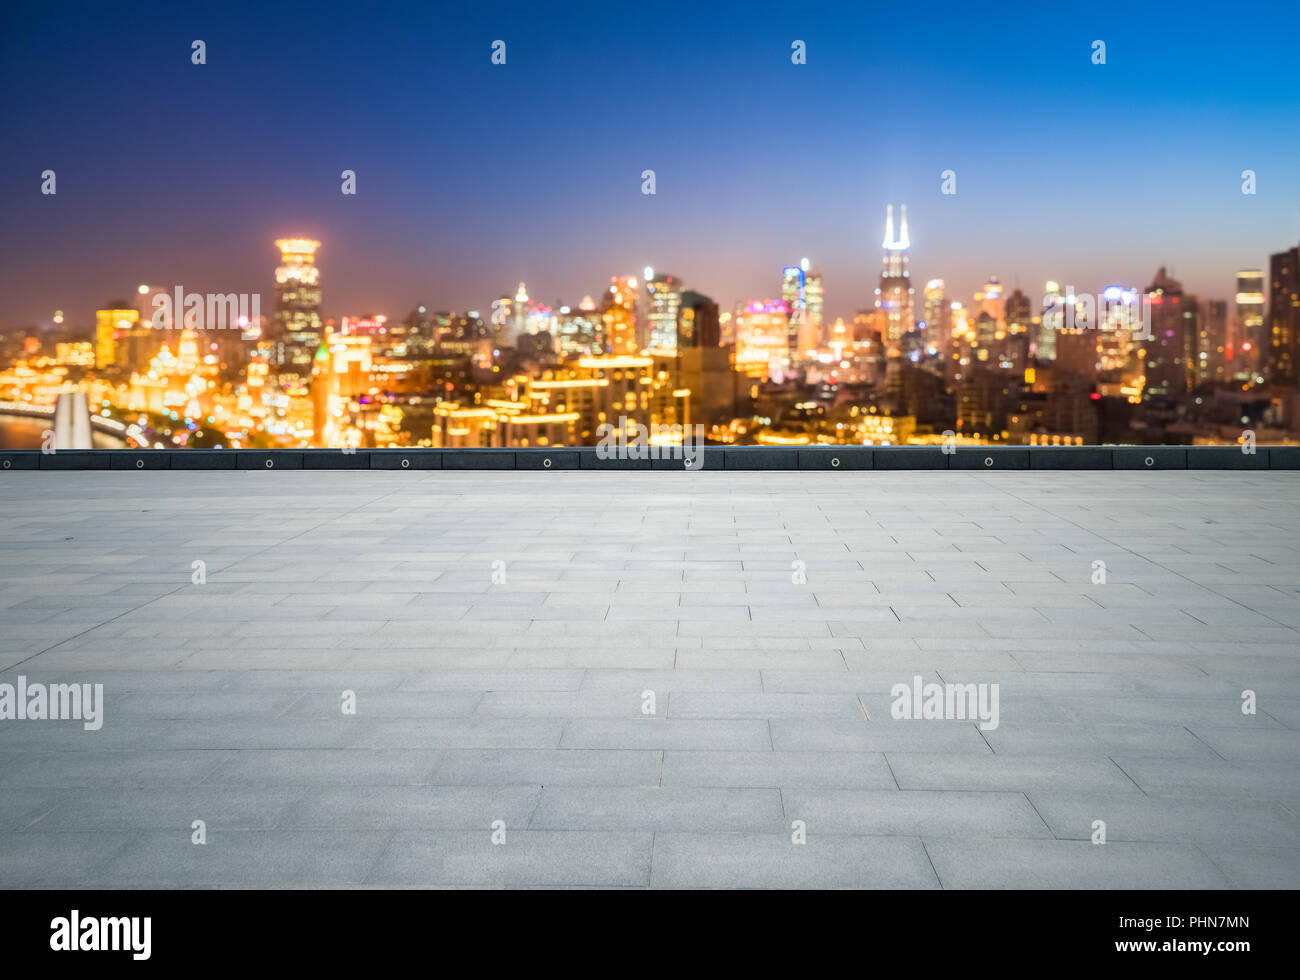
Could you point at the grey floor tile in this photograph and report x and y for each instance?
(526, 859)
(847, 770)
(1138, 817)
(915, 813)
(1070, 864)
(549, 767)
(685, 860)
(658, 809)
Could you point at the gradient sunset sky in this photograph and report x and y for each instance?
(472, 177)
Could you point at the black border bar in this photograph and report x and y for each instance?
(337, 930)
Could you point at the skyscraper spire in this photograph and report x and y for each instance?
(894, 296)
(891, 243)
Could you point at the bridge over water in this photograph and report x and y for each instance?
(69, 424)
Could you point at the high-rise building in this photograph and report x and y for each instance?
(1118, 321)
(802, 293)
(961, 357)
(697, 322)
(1070, 412)
(991, 300)
(792, 295)
(704, 367)
(814, 306)
(867, 326)
(981, 401)
(1019, 328)
(417, 333)
(578, 330)
(606, 389)
(298, 325)
(1019, 312)
(1076, 349)
(763, 340)
(987, 336)
(111, 328)
(520, 310)
(665, 300)
(463, 335)
(1249, 340)
(1212, 362)
(938, 322)
(1284, 316)
(1115, 338)
(1050, 319)
(619, 315)
(894, 295)
(1193, 316)
(77, 353)
(502, 319)
(541, 320)
(1168, 351)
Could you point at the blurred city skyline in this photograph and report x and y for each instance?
(472, 177)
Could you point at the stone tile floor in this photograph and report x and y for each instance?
(503, 634)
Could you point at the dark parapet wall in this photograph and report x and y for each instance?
(844, 458)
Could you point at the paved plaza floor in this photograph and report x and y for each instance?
(653, 679)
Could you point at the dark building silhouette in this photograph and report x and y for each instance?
(1173, 338)
(1283, 316)
(697, 321)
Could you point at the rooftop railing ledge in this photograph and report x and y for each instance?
(695, 458)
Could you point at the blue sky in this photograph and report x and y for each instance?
(472, 177)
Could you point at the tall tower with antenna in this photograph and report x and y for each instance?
(894, 296)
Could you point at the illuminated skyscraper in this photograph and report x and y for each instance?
(763, 340)
(938, 322)
(1249, 341)
(795, 300)
(578, 330)
(319, 394)
(665, 294)
(618, 314)
(297, 304)
(990, 300)
(894, 297)
(814, 298)
(1050, 320)
(111, 327)
(801, 292)
(1119, 322)
(991, 323)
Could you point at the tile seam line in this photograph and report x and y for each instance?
(1135, 554)
(182, 585)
